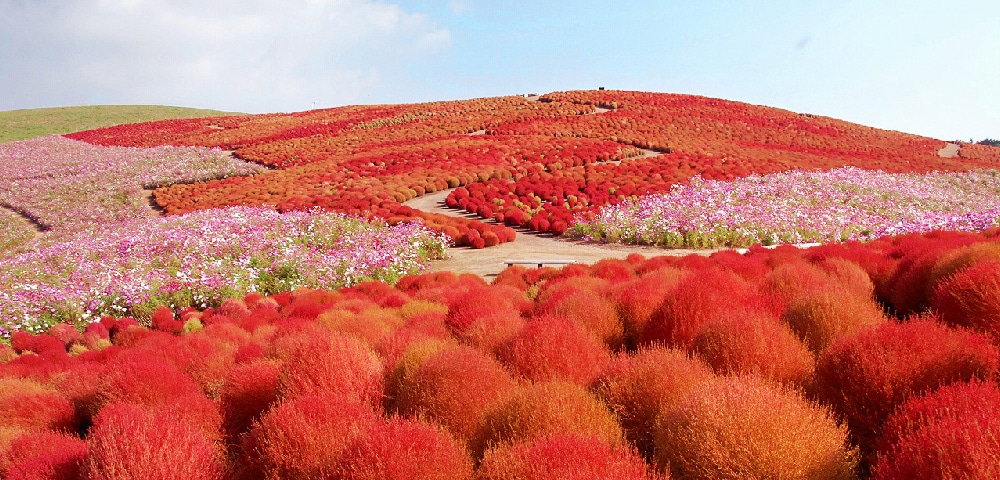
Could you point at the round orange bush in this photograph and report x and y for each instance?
(405, 449)
(455, 388)
(864, 377)
(823, 316)
(638, 386)
(748, 427)
(756, 343)
(554, 348)
(562, 456)
(547, 408)
(589, 309)
(953, 432)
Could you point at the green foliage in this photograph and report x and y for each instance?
(32, 123)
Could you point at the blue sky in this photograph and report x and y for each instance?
(925, 67)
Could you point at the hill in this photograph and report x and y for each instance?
(37, 122)
(539, 163)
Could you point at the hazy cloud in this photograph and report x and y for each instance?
(228, 54)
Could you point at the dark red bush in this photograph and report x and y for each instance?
(953, 432)
(864, 377)
(971, 298)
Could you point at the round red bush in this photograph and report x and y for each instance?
(864, 377)
(304, 437)
(554, 348)
(953, 432)
(971, 298)
(405, 449)
(44, 455)
(127, 442)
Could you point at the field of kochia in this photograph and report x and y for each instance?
(274, 317)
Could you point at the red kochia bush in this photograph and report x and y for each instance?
(562, 456)
(637, 299)
(34, 408)
(455, 388)
(637, 386)
(317, 360)
(747, 427)
(699, 299)
(304, 437)
(128, 442)
(971, 298)
(247, 392)
(951, 433)
(544, 409)
(144, 379)
(405, 449)
(866, 376)
(44, 455)
(486, 317)
(554, 348)
(755, 343)
(588, 308)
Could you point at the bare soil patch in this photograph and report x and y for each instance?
(950, 151)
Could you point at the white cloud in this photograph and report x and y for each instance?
(251, 55)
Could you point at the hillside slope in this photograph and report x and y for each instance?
(31, 123)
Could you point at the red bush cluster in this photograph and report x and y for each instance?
(539, 165)
(663, 358)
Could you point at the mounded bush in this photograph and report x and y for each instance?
(486, 317)
(316, 361)
(543, 409)
(44, 455)
(405, 449)
(756, 343)
(637, 299)
(562, 456)
(638, 386)
(28, 405)
(305, 436)
(864, 377)
(699, 299)
(554, 348)
(953, 432)
(971, 298)
(748, 427)
(127, 442)
(821, 317)
(590, 309)
(455, 387)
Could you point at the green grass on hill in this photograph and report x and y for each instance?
(24, 124)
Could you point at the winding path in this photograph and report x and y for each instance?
(488, 262)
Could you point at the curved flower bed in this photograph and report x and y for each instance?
(66, 185)
(200, 258)
(798, 206)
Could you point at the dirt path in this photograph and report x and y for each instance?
(950, 150)
(529, 245)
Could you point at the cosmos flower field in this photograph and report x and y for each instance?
(247, 297)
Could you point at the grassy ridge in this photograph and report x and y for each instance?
(32, 123)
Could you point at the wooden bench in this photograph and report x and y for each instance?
(539, 262)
